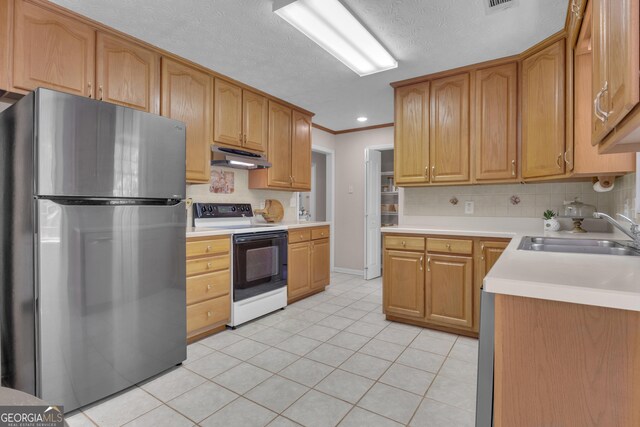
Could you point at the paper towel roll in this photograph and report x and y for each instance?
(603, 185)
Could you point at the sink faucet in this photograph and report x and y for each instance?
(633, 231)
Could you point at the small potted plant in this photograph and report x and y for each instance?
(551, 223)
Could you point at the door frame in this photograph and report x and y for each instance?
(331, 191)
(380, 147)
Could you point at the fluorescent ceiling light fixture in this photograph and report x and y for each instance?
(336, 30)
(362, 119)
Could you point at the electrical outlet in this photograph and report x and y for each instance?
(468, 207)
(350, 189)
(293, 201)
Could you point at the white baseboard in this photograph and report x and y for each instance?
(348, 271)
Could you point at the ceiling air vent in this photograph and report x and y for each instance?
(493, 6)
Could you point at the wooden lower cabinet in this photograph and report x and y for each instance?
(309, 262)
(434, 281)
(449, 290)
(208, 286)
(403, 275)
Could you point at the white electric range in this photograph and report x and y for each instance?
(258, 259)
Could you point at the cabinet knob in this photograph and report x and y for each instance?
(449, 246)
(208, 248)
(90, 90)
(559, 161)
(100, 92)
(240, 137)
(426, 171)
(208, 265)
(428, 263)
(421, 259)
(404, 243)
(208, 287)
(209, 314)
(513, 168)
(301, 237)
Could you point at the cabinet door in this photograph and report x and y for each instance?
(403, 289)
(255, 126)
(496, 122)
(320, 263)
(227, 120)
(279, 146)
(301, 151)
(621, 33)
(411, 146)
(449, 290)
(52, 51)
(599, 126)
(299, 270)
(490, 251)
(543, 112)
(449, 136)
(127, 74)
(186, 96)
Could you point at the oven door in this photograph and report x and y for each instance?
(259, 264)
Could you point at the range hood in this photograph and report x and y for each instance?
(238, 159)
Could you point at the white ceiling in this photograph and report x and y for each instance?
(246, 41)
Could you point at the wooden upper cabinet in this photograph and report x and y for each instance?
(255, 117)
(403, 277)
(449, 290)
(543, 112)
(616, 75)
(411, 148)
(301, 151)
(279, 154)
(321, 263)
(53, 51)
(449, 129)
(127, 74)
(495, 123)
(227, 125)
(186, 96)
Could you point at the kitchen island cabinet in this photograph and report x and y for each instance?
(564, 364)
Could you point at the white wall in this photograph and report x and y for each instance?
(349, 210)
(324, 139)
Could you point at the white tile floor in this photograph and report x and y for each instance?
(331, 359)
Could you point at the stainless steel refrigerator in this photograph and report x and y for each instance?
(92, 266)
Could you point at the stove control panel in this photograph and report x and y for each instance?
(221, 210)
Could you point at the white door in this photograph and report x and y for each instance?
(372, 215)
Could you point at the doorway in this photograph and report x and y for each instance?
(317, 204)
(381, 205)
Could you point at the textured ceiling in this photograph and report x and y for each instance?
(246, 41)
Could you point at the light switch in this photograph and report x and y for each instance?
(468, 207)
(350, 189)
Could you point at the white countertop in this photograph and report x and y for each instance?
(601, 280)
(285, 225)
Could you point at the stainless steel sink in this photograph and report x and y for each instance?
(578, 246)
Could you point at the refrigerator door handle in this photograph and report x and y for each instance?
(101, 201)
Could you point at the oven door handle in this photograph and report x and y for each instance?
(258, 237)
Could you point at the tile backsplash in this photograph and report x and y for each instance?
(242, 194)
(495, 200)
(625, 195)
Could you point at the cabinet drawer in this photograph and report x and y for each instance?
(207, 265)
(207, 247)
(299, 235)
(404, 242)
(207, 286)
(453, 246)
(320, 233)
(208, 313)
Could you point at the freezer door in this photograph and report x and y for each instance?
(111, 306)
(91, 148)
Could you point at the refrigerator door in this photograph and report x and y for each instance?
(89, 148)
(111, 297)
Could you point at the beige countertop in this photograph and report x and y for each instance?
(600, 280)
(285, 225)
